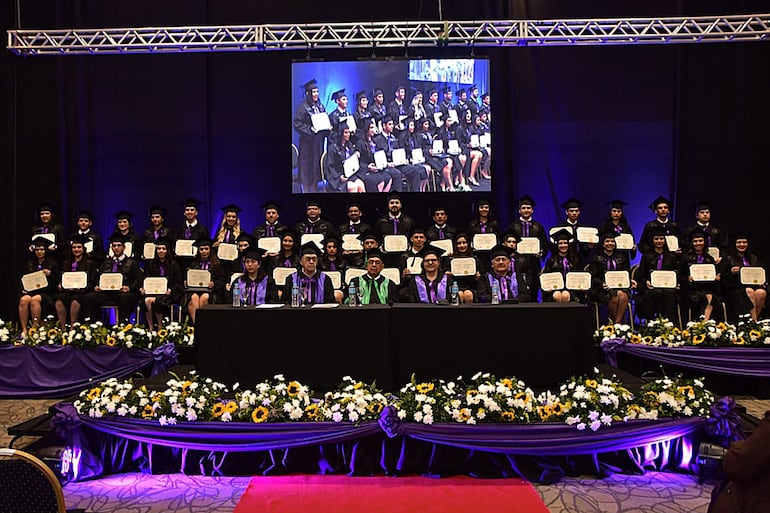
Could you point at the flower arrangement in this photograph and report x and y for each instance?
(613, 331)
(180, 334)
(87, 335)
(131, 335)
(6, 331)
(678, 397)
(709, 333)
(485, 398)
(277, 400)
(427, 401)
(113, 397)
(660, 332)
(587, 402)
(353, 401)
(753, 333)
(48, 332)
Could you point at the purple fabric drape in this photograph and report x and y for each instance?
(738, 361)
(60, 371)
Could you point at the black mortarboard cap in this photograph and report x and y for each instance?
(740, 234)
(617, 203)
(243, 236)
(484, 95)
(309, 248)
(431, 91)
(572, 203)
(331, 238)
(155, 209)
(430, 249)
(375, 253)
(447, 89)
(657, 231)
(86, 214)
(45, 207)
(461, 91)
(500, 250)
(472, 88)
(397, 88)
(359, 95)
(394, 195)
(702, 205)
(118, 237)
(482, 201)
(310, 85)
(289, 232)
(253, 253)
(204, 241)
(608, 234)
(313, 203)
(418, 230)
(368, 235)
(433, 210)
(336, 95)
(526, 200)
(386, 118)
(79, 239)
(562, 234)
(694, 234)
(271, 204)
(124, 214)
(232, 207)
(508, 235)
(164, 241)
(41, 241)
(192, 202)
(657, 201)
(376, 91)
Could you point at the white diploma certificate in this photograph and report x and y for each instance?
(414, 264)
(624, 241)
(316, 238)
(353, 272)
(445, 244)
(393, 274)
(617, 279)
(110, 281)
(417, 156)
(380, 159)
(74, 280)
(351, 165)
(270, 244)
(395, 243)
(399, 157)
(281, 273)
(463, 266)
(234, 277)
(703, 272)
(89, 247)
(714, 252)
(437, 118)
(148, 250)
(454, 147)
(474, 143)
(673, 242)
(752, 276)
(587, 234)
(484, 241)
(438, 146)
(184, 247)
(453, 116)
(551, 281)
(336, 277)
(155, 286)
(34, 281)
(578, 280)
(351, 122)
(351, 242)
(485, 140)
(663, 279)
(320, 121)
(47, 236)
(227, 251)
(528, 246)
(198, 278)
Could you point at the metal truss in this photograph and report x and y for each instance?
(491, 33)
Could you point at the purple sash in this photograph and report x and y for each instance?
(422, 289)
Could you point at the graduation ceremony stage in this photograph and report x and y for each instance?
(539, 343)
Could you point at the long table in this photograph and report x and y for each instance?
(541, 343)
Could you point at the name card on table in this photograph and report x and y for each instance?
(227, 251)
(752, 276)
(463, 266)
(703, 272)
(662, 279)
(74, 280)
(528, 246)
(551, 281)
(34, 281)
(110, 281)
(617, 279)
(578, 280)
(156, 286)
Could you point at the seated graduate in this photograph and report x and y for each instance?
(701, 296)
(127, 296)
(741, 299)
(332, 260)
(162, 266)
(255, 285)
(513, 285)
(315, 287)
(432, 285)
(374, 287)
(211, 292)
(563, 258)
(467, 284)
(412, 257)
(657, 301)
(609, 259)
(33, 304)
(68, 302)
(288, 256)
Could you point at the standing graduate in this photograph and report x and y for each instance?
(94, 244)
(311, 140)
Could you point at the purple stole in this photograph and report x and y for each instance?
(304, 282)
(422, 289)
(255, 291)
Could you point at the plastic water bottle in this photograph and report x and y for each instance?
(236, 295)
(454, 292)
(352, 296)
(295, 299)
(495, 292)
(244, 298)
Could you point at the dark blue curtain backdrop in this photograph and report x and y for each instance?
(110, 132)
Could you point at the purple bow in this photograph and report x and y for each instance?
(390, 423)
(724, 422)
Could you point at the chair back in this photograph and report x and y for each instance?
(28, 485)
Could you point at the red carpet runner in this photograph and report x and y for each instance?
(342, 494)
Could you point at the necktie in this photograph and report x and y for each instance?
(441, 233)
(700, 259)
(162, 270)
(432, 292)
(395, 225)
(374, 298)
(483, 227)
(270, 230)
(660, 262)
(611, 264)
(525, 228)
(228, 236)
(115, 265)
(188, 232)
(74, 266)
(565, 264)
(504, 287)
(390, 143)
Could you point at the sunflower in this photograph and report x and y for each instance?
(293, 389)
(636, 338)
(471, 393)
(94, 393)
(520, 395)
(508, 416)
(424, 388)
(698, 339)
(557, 409)
(32, 331)
(755, 334)
(647, 339)
(217, 410)
(375, 408)
(260, 414)
(311, 410)
(148, 411)
(507, 382)
(591, 383)
(685, 333)
(190, 330)
(163, 333)
(686, 391)
(465, 414)
(52, 333)
(110, 341)
(128, 328)
(157, 396)
(231, 406)
(609, 329)
(544, 412)
(186, 386)
(739, 340)
(358, 386)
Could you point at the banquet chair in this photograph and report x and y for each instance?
(28, 485)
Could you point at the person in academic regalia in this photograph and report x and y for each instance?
(513, 286)
(387, 141)
(47, 225)
(572, 210)
(701, 296)
(742, 299)
(416, 108)
(375, 287)
(355, 224)
(411, 259)
(157, 228)
(410, 140)
(439, 228)
(432, 108)
(331, 260)
(468, 284)
(440, 165)
(459, 157)
(478, 128)
(191, 229)
(127, 296)
(474, 155)
(484, 221)
(378, 108)
(398, 110)
(609, 259)
(124, 227)
(162, 266)
(256, 285)
(361, 114)
(311, 140)
(339, 115)
(654, 301)
(69, 302)
(272, 226)
(37, 302)
(617, 221)
(314, 285)
(289, 254)
(662, 208)
(375, 180)
(94, 243)
(715, 237)
(314, 223)
(340, 149)
(209, 293)
(433, 285)
(563, 259)
(230, 228)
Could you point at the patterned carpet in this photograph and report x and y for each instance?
(653, 492)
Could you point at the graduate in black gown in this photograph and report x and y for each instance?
(715, 237)
(124, 227)
(191, 229)
(433, 285)
(164, 265)
(314, 285)
(387, 141)
(441, 166)
(311, 140)
(375, 179)
(94, 242)
(256, 286)
(607, 258)
(157, 228)
(700, 296)
(272, 225)
(361, 113)
(47, 225)
(743, 299)
(69, 302)
(340, 149)
(655, 301)
(313, 222)
(616, 220)
(374, 287)
(662, 208)
(467, 284)
(563, 259)
(230, 228)
(513, 286)
(36, 303)
(199, 295)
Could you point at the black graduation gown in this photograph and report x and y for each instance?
(311, 145)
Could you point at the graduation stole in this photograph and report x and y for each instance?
(422, 288)
(380, 288)
(256, 290)
(318, 279)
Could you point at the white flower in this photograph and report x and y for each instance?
(581, 426)
(595, 425)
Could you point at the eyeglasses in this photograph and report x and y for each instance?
(430, 260)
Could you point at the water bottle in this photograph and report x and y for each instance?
(352, 296)
(295, 300)
(455, 294)
(244, 297)
(495, 292)
(236, 294)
